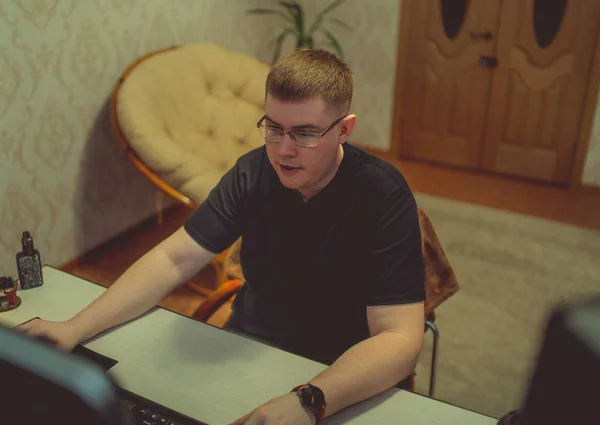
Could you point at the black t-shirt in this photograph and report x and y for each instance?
(312, 268)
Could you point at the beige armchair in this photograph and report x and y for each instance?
(184, 115)
(187, 113)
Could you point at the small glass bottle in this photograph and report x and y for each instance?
(29, 264)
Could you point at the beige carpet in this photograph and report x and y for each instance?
(512, 269)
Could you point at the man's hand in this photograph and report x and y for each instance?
(283, 410)
(65, 335)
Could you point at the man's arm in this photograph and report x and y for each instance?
(367, 369)
(144, 284)
(216, 224)
(213, 227)
(395, 309)
(377, 363)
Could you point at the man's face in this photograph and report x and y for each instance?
(306, 169)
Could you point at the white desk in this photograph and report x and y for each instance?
(210, 374)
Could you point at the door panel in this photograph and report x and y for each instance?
(446, 90)
(538, 90)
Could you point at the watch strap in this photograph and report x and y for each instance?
(320, 412)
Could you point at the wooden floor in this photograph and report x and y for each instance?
(579, 207)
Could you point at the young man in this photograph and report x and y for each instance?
(331, 250)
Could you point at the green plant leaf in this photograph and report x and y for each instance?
(334, 43)
(340, 23)
(279, 43)
(300, 24)
(321, 15)
(269, 12)
(296, 12)
(305, 43)
(290, 4)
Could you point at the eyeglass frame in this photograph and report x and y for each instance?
(291, 133)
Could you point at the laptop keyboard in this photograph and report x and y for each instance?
(141, 411)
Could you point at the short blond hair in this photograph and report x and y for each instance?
(312, 73)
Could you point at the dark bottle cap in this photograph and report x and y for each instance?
(6, 283)
(27, 243)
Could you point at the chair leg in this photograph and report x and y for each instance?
(159, 204)
(436, 336)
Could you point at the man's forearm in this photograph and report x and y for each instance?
(369, 368)
(140, 288)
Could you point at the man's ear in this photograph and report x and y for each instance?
(347, 127)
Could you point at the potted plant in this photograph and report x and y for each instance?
(295, 25)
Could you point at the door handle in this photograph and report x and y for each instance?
(485, 35)
(488, 61)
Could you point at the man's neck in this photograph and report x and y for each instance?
(306, 195)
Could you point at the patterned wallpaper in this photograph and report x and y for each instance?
(61, 174)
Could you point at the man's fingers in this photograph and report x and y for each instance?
(242, 420)
(32, 332)
(25, 326)
(29, 328)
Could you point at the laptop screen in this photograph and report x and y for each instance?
(41, 384)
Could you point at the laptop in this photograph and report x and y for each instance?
(42, 384)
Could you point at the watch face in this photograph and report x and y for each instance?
(312, 397)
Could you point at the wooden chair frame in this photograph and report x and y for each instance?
(124, 143)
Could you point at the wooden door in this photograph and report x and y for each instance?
(446, 91)
(545, 51)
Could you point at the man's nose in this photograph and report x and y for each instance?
(286, 146)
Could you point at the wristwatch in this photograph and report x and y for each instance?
(313, 399)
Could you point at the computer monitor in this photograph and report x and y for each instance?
(41, 384)
(565, 386)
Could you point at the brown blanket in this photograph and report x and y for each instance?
(440, 280)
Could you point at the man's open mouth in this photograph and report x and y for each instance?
(288, 168)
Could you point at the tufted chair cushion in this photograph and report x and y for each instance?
(190, 112)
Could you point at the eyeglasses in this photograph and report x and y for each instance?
(302, 138)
